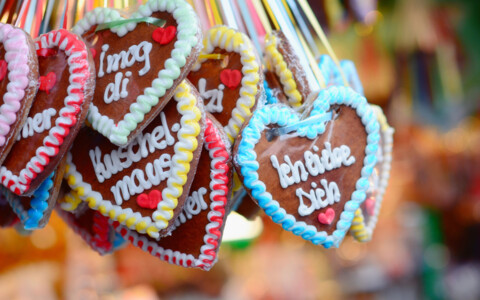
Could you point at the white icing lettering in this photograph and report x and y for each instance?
(136, 183)
(215, 96)
(123, 157)
(194, 205)
(292, 173)
(37, 124)
(319, 197)
(122, 60)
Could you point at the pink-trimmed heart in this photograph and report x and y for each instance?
(294, 168)
(326, 218)
(16, 92)
(231, 78)
(149, 200)
(48, 82)
(195, 238)
(138, 63)
(164, 36)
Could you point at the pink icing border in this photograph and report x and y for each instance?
(77, 58)
(16, 55)
(219, 154)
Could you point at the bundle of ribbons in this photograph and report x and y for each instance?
(152, 123)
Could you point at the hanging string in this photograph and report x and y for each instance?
(271, 15)
(323, 38)
(47, 17)
(22, 15)
(63, 19)
(249, 24)
(262, 15)
(228, 15)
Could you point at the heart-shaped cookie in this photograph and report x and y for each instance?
(195, 240)
(18, 83)
(228, 76)
(367, 215)
(285, 75)
(164, 158)
(297, 170)
(138, 62)
(55, 117)
(332, 75)
(34, 211)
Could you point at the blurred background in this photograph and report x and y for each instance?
(419, 60)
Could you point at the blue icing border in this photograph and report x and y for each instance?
(284, 116)
(332, 74)
(271, 99)
(39, 204)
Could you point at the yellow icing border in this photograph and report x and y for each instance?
(275, 63)
(234, 41)
(184, 148)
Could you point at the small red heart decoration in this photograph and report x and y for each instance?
(94, 52)
(149, 201)
(164, 36)
(3, 69)
(327, 217)
(231, 78)
(370, 205)
(47, 82)
(45, 52)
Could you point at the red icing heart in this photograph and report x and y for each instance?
(94, 52)
(164, 36)
(45, 52)
(327, 217)
(47, 82)
(231, 78)
(370, 205)
(149, 201)
(3, 69)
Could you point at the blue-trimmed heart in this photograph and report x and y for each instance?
(297, 176)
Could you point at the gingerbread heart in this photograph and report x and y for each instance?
(92, 227)
(332, 75)
(18, 83)
(164, 158)
(196, 237)
(367, 215)
(285, 74)
(56, 115)
(297, 169)
(228, 76)
(34, 211)
(138, 64)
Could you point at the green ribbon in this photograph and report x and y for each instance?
(150, 20)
